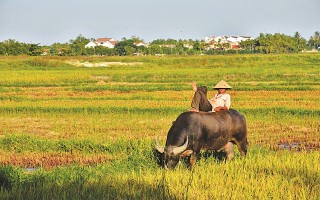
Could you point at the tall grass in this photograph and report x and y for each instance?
(69, 132)
(262, 175)
(245, 72)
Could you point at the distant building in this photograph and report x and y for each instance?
(140, 44)
(208, 39)
(91, 44)
(188, 46)
(168, 45)
(221, 39)
(105, 42)
(226, 42)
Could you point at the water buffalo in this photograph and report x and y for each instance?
(193, 131)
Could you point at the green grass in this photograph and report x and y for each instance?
(284, 71)
(263, 175)
(96, 141)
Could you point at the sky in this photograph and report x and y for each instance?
(50, 21)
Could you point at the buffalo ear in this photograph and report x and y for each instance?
(186, 153)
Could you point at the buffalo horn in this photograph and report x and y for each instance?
(178, 150)
(158, 147)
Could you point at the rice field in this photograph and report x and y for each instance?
(87, 131)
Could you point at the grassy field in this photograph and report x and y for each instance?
(74, 132)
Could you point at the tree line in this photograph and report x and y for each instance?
(264, 43)
(281, 43)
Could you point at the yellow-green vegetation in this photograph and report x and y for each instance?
(74, 132)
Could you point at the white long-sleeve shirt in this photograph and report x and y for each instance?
(220, 100)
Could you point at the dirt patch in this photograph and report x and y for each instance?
(101, 78)
(135, 83)
(101, 82)
(101, 64)
(254, 83)
(49, 160)
(35, 126)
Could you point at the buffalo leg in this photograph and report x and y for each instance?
(228, 149)
(193, 159)
(242, 146)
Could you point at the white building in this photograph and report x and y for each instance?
(221, 39)
(208, 39)
(139, 44)
(106, 42)
(233, 41)
(91, 44)
(238, 38)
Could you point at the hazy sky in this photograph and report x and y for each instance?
(49, 21)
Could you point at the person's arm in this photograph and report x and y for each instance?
(221, 108)
(226, 105)
(212, 100)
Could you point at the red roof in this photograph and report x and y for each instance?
(103, 39)
(113, 42)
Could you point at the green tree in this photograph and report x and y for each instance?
(130, 50)
(141, 50)
(280, 43)
(314, 41)
(168, 50)
(52, 51)
(198, 47)
(158, 42)
(136, 39)
(248, 45)
(60, 49)
(77, 46)
(299, 42)
(3, 49)
(125, 47)
(155, 49)
(34, 49)
(101, 51)
(180, 49)
(226, 45)
(14, 47)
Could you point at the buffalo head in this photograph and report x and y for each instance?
(172, 154)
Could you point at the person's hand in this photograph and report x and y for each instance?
(194, 86)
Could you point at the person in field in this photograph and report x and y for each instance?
(220, 101)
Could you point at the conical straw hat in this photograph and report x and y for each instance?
(222, 85)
